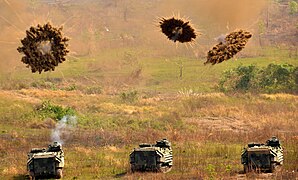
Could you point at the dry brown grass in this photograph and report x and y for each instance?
(46, 124)
(18, 96)
(282, 97)
(207, 131)
(49, 94)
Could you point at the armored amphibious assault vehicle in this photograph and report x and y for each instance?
(262, 157)
(46, 163)
(152, 157)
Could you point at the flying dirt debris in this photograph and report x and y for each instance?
(177, 30)
(44, 47)
(226, 49)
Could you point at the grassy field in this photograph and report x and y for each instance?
(124, 97)
(140, 68)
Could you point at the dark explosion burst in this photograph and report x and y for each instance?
(177, 30)
(44, 48)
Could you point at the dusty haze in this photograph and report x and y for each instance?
(97, 25)
(233, 12)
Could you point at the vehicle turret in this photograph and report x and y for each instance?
(152, 157)
(46, 163)
(262, 157)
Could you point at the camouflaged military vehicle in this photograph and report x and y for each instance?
(156, 157)
(262, 157)
(46, 163)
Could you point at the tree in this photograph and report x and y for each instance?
(274, 78)
(240, 78)
(277, 78)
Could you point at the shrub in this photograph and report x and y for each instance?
(93, 90)
(71, 87)
(277, 78)
(274, 78)
(49, 110)
(211, 171)
(130, 96)
(238, 79)
(293, 6)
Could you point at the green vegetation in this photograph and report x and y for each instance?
(238, 79)
(293, 5)
(117, 109)
(208, 131)
(278, 78)
(127, 84)
(275, 78)
(57, 112)
(129, 97)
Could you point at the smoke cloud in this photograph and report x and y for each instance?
(63, 129)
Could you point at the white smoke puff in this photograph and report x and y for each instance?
(45, 47)
(221, 38)
(63, 128)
